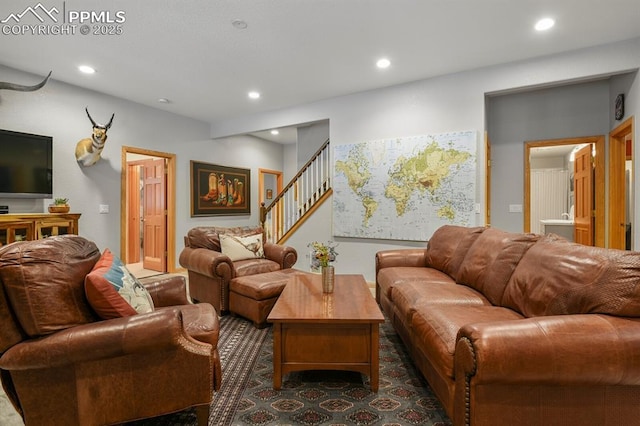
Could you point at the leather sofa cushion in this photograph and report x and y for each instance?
(556, 277)
(436, 329)
(207, 236)
(491, 260)
(388, 278)
(254, 266)
(44, 282)
(263, 286)
(10, 332)
(448, 246)
(411, 296)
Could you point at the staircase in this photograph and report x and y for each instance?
(299, 199)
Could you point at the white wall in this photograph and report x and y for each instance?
(448, 103)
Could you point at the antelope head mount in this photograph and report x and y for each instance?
(21, 88)
(88, 150)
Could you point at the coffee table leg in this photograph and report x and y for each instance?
(277, 356)
(375, 357)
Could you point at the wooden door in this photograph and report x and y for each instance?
(154, 243)
(620, 194)
(583, 190)
(133, 213)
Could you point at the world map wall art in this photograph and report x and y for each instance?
(219, 190)
(404, 188)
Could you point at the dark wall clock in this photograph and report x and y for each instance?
(619, 106)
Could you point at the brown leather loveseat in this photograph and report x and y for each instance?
(62, 364)
(519, 329)
(211, 270)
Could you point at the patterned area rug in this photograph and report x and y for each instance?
(311, 398)
(314, 398)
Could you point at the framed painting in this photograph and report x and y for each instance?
(219, 190)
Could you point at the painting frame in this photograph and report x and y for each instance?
(210, 194)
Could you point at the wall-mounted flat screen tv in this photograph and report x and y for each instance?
(26, 165)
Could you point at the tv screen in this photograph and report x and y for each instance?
(26, 163)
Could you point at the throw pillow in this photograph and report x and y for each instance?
(241, 248)
(113, 292)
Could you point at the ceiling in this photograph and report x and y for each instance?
(551, 151)
(294, 51)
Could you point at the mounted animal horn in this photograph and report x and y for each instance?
(105, 127)
(21, 88)
(88, 150)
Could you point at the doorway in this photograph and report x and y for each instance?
(269, 186)
(598, 215)
(147, 213)
(621, 192)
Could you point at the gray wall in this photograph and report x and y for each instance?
(442, 104)
(58, 110)
(247, 152)
(552, 113)
(310, 139)
(437, 105)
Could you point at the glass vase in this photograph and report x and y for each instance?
(328, 275)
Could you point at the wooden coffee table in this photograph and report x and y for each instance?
(318, 331)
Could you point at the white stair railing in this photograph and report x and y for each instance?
(299, 198)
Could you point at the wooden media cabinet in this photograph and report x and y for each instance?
(34, 226)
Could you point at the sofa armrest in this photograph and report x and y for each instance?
(167, 291)
(284, 256)
(568, 349)
(207, 262)
(154, 331)
(400, 257)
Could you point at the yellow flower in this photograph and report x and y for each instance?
(324, 253)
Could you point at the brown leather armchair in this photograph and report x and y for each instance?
(210, 271)
(61, 364)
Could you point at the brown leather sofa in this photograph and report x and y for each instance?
(210, 271)
(61, 364)
(519, 329)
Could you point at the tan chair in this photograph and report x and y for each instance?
(211, 271)
(61, 364)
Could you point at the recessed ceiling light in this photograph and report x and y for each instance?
(164, 101)
(86, 69)
(239, 24)
(544, 24)
(254, 95)
(383, 63)
(275, 132)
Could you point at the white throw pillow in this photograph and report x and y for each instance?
(240, 248)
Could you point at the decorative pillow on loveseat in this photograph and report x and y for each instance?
(113, 292)
(241, 248)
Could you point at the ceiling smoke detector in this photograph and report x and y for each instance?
(239, 24)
